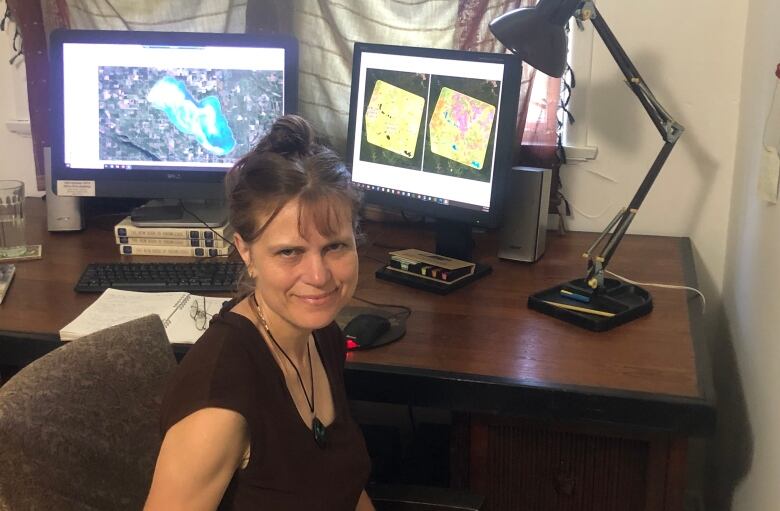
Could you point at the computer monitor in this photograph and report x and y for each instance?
(432, 131)
(156, 115)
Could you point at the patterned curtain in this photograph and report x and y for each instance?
(36, 19)
(158, 15)
(536, 122)
(326, 31)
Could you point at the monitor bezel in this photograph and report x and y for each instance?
(507, 122)
(152, 184)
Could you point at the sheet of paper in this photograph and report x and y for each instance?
(181, 327)
(6, 276)
(769, 169)
(769, 175)
(115, 306)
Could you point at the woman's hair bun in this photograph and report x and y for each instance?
(290, 134)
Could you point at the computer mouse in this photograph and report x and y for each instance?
(365, 329)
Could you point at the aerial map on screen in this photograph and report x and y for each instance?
(185, 115)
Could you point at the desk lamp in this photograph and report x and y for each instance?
(537, 35)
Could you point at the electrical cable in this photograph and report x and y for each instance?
(196, 217)
(665, 286)
(406, 311)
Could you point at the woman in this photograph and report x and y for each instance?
(256, 415)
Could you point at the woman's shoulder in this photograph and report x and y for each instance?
(229, 336)
(330, 333)
(219, 370)
(330, 339)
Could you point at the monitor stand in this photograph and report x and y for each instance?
(453, 239)
(176, 213)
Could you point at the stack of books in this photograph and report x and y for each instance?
(172, 241)
(428, 266)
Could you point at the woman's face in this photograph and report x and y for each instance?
(302, 278)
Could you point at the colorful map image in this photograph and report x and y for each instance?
(185, 115)
(393, 119)
(202, 119)
(460, 127)
(460, 139)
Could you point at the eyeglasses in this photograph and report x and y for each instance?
(199, 315)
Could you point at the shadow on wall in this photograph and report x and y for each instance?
(625, 111)
(729, 451)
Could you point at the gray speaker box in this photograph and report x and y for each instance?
(62, 213)
(524, 226)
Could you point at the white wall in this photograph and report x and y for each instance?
(16, 161)
(690, 54)
(752, 278)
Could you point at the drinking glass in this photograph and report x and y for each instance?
(12, 218)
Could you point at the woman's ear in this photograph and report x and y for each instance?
(243, 249)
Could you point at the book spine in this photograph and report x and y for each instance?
(450, 280)
(429, 271)
(172, 251)
(123, 230)
(171, 242)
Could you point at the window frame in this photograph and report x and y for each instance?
(580, 58)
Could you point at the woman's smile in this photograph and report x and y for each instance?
(318, 298)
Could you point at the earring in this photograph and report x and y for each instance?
(250, 272)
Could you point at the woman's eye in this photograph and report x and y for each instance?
(336, 246)
(288, 252)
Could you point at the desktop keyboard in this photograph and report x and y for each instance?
(212, 276)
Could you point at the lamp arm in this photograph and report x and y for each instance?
(669, 129)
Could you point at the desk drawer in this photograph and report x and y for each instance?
(531, 466)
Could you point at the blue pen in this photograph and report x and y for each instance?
(575, 296)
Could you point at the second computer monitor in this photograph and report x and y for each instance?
(432, 130)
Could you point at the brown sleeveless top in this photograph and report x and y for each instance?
(231, 367)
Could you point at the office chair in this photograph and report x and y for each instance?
(79, 426)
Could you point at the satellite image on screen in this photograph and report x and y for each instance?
(393, 119)
(461, 122)
(394, 107)
(460, 128)
(185, 115)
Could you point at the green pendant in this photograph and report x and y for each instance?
(318, 428)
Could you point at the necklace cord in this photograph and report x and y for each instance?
(258, 312)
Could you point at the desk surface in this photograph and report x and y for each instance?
(477, 349)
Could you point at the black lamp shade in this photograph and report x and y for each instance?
(536, 34)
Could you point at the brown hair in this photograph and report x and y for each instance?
(289, 162)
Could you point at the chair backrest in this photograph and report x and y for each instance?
(79, 427)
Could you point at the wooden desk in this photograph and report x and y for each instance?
(550, 416)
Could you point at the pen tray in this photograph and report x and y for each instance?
(625, 301)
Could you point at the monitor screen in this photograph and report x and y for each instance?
(432, 130)
(162, 115)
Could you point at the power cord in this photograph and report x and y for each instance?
(405, 311)
(199, 219)
(664, 286)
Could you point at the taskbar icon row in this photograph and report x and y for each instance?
(402, 193)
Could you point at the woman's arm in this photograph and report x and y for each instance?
(364, 504)
(198, 457)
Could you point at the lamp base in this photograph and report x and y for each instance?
(576, 303)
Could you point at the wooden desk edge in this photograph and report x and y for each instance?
(469, 393)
